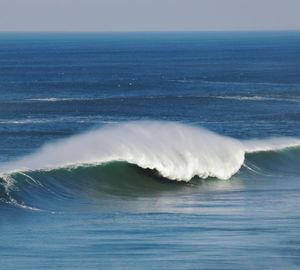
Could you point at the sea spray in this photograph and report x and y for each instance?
(177, 151)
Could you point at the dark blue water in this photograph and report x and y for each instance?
(120, 216)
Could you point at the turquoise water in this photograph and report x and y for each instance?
(150, 151)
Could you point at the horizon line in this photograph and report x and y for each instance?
(153, 31)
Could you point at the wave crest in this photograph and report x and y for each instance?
(177, 151)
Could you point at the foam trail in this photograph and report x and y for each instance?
(177, 151)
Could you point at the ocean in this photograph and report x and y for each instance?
(150, 150)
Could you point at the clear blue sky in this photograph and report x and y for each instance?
(148, 15)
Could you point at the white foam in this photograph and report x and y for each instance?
(8, 186)
(177, 151)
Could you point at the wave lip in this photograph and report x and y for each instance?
(271, 144)
(177, 151)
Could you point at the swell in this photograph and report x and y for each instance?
(51, 189)
(177, 151)
(56, 188)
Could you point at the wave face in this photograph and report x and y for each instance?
(177, 151)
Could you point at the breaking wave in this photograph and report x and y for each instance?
(134, 158)
(177, 151)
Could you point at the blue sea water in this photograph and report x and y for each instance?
(144, 98)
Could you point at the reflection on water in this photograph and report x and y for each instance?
(204, 223)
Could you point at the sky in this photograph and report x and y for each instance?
(148, 15)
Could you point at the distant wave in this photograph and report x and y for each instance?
(66, 119)
(233, 97)
(56, 99)
(208, 81)
(177, 151)
(259, 98)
